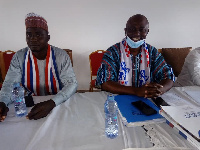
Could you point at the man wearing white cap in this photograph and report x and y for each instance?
(41, 68)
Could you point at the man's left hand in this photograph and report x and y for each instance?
(41, 110)
(153, 90)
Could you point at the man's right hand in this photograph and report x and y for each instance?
(3, 111)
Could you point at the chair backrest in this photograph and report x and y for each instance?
(69, 52)
(5, 59)
(160, 50)
(176, 57)
(95, 59)
(1, 80)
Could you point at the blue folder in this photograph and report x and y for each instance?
(131, 113)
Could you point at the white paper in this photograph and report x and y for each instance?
(190, 93)
(195, 95)
(187, 116)
(159, 148)
(173, 98)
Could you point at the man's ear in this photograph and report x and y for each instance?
(48, 37)
(148, 31)
(125, 31)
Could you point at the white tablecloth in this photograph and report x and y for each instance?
(78, 124)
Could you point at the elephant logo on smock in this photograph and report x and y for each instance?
(123, 72)
(143, 78)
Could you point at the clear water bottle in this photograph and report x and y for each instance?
(111, 110)
(18, 99)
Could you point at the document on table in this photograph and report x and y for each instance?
(190, 93)
(132, 116)
(159, 148)
(187, 116)
(195, 95)
(175, 98)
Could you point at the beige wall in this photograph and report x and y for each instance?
(88, 25)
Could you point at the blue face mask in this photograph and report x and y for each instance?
(133, 44)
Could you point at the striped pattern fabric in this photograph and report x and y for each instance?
(30, 76)
(109, 69)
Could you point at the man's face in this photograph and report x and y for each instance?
(137, 28)
(37, 39)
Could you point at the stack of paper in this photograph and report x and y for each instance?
(176, 97)
(186, 119)
(131, 116)
(190, 93)
(195, 95)
(159, 148)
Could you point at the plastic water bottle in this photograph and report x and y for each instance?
(111, 110)
(18, 99)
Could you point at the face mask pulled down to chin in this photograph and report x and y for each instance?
(133, 44)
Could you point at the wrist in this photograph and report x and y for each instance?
(52, 103)
(134, 91)
(3, 104)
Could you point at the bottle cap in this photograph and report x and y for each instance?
(110, 97)
(16, 85)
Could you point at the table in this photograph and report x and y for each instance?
(78, 124)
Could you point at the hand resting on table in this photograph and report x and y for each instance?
(41, 110)
(3, 111)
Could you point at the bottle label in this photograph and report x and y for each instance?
(115, 118)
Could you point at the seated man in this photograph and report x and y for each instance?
(41, 68)
(133, 66)
(190, 73)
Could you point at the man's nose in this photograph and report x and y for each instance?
(137, 33)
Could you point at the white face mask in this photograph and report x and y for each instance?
(133, 44)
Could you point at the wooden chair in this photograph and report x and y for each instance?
(5, 59)
(95, 59)
(69, 52)
(1, 80)
(175, 57)
(160, 50)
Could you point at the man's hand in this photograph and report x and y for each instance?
(3, 111)
(41, 110)
(150, 90)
